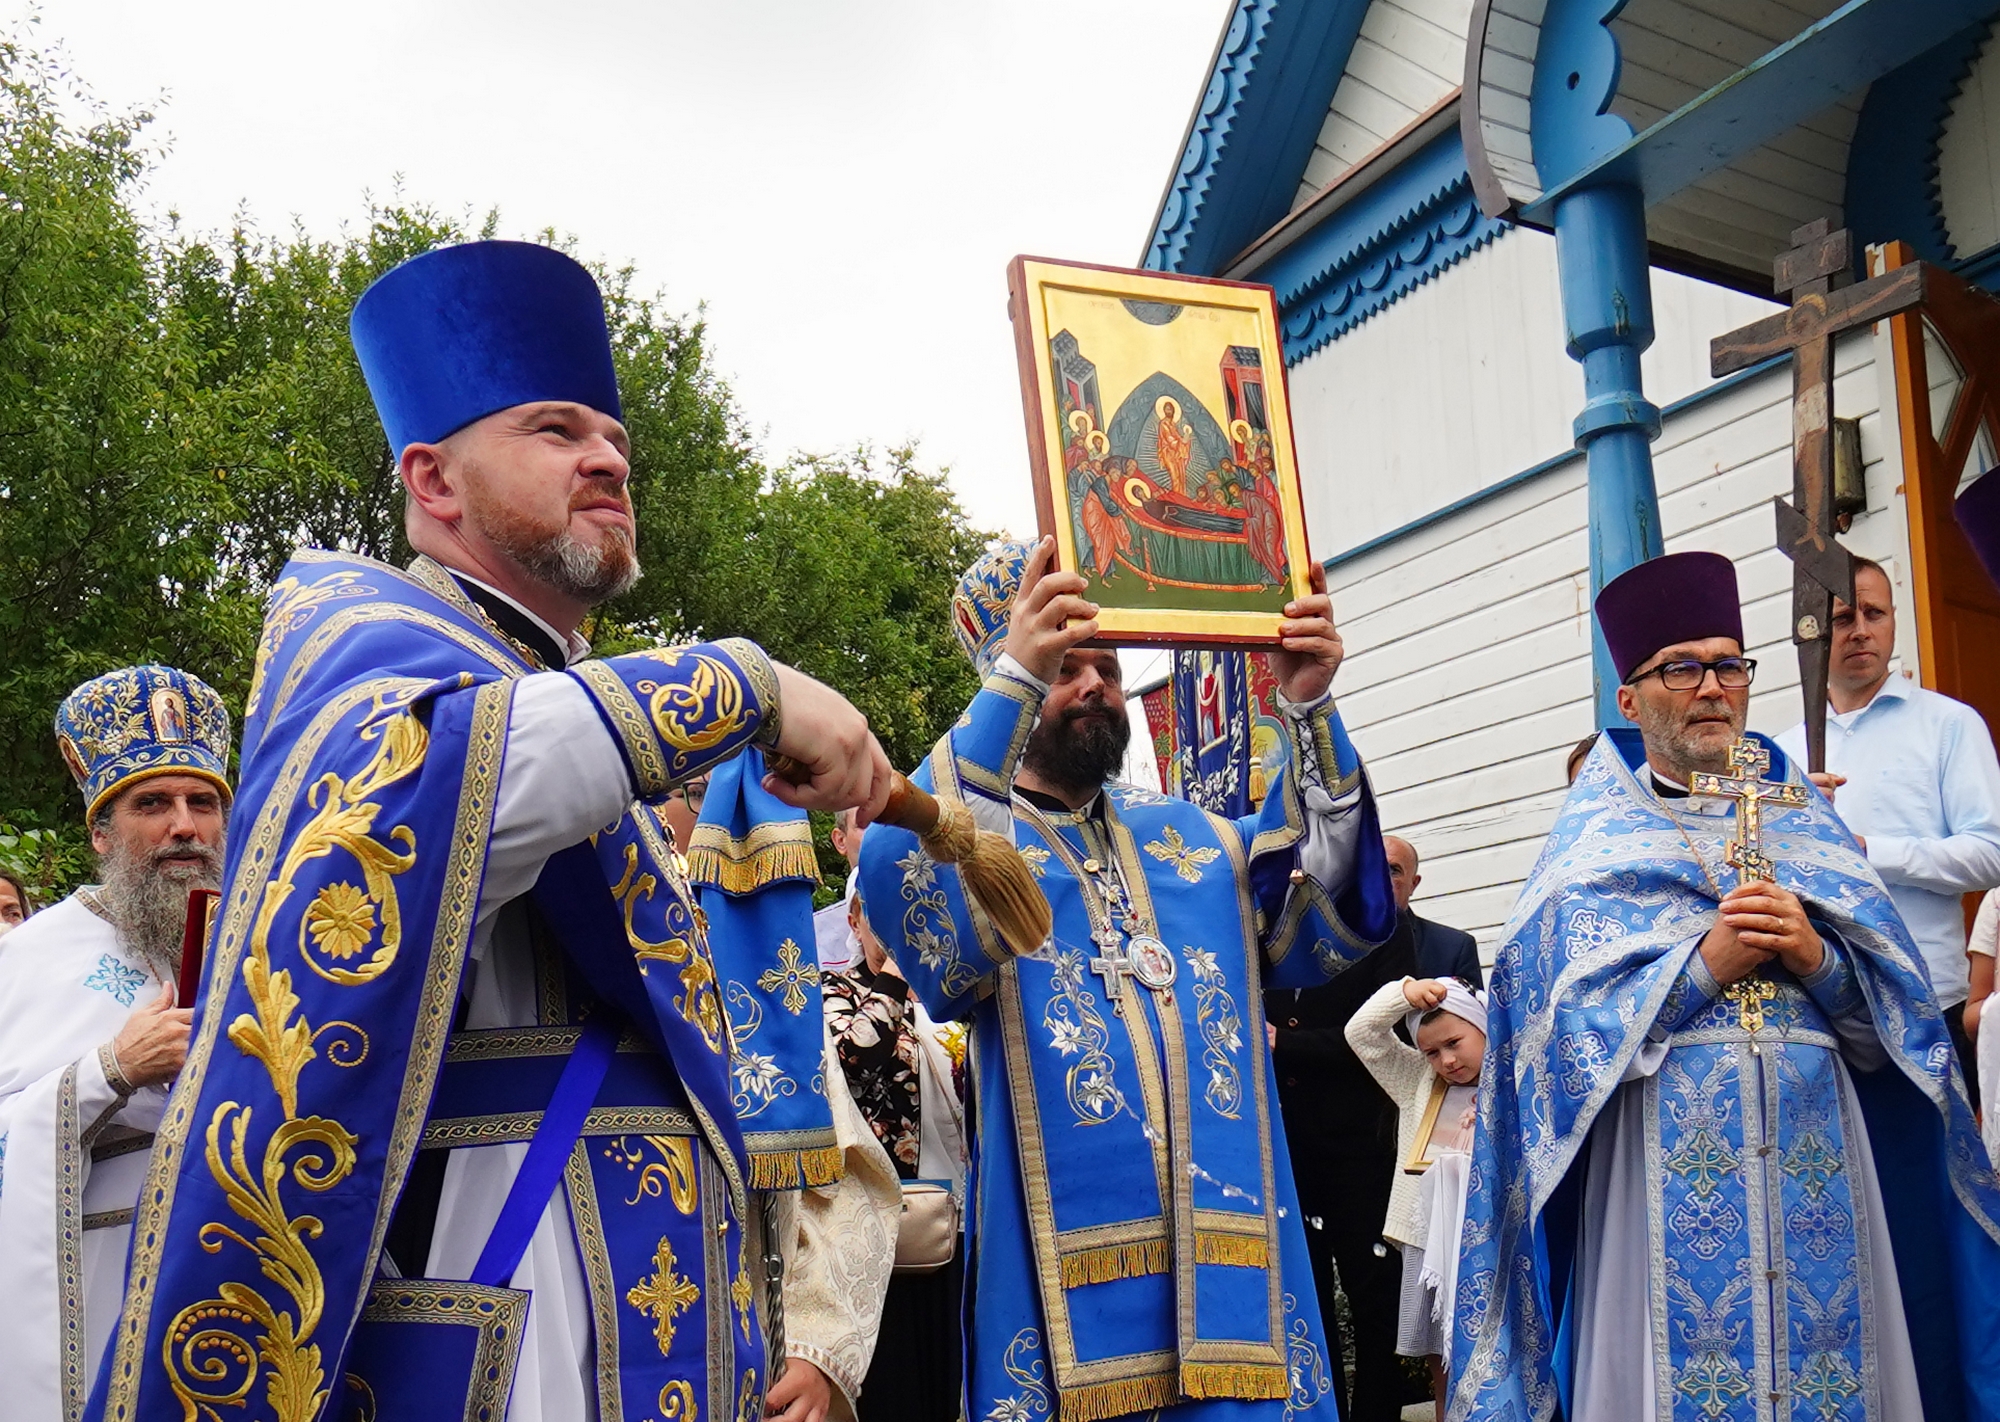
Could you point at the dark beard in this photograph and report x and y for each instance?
(1079, 750)
(148, 897)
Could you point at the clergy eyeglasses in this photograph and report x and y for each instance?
(1731, 673)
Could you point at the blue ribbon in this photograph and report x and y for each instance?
(548, 1153)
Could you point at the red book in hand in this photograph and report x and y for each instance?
(194, 940)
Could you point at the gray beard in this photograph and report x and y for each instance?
(564, 563)
(1668, 742)
(148, 900)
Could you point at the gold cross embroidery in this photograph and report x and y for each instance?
(791, 975)
(1750, 995)
(1746, 785)
(1187, 860)
(664, 1296)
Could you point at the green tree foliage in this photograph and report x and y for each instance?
(177, 414)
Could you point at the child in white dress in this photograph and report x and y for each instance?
(1435, 1085)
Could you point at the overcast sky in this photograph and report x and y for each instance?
(842, 182)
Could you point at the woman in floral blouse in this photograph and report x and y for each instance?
(906, 1076)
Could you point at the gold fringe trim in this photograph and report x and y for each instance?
(795, 1169)
(1101, 1401)
(1246, 1251)
(742, 866)
(1115, 1261)
(1257, 1381)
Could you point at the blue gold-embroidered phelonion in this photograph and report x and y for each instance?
(989, 866)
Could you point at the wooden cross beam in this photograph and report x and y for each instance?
(1822, 570)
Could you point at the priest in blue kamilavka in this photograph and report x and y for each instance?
(456, 965)
(1134, 1238)
(1725, 1167)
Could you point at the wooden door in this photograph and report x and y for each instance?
(1957, 606)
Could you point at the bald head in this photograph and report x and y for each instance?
(1403, 876)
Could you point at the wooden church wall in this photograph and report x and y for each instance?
(1463, 382)
(1409, 55)
(1468, 673)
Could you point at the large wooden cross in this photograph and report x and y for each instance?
(1822, 570)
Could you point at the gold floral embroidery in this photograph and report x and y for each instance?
(209, 1365)
(1038, 859)
(292, 605)
(792, 976)
(1187, 861)
(739, 1291)
(677, 1402)
(672, 1174)
(697, 1002)
(664, 1296)
(340, 920)
(711, 698)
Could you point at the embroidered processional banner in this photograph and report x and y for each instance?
(1229, 742)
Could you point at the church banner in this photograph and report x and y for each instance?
(1225, 740)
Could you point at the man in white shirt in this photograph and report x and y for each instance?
(1918, 784)
(835, 944)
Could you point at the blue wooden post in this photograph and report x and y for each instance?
(1608, 318)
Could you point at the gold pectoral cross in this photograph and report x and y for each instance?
(1750, 995)
(1746, 785)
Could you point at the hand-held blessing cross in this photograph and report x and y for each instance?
(1746, 785)
(1823, 570)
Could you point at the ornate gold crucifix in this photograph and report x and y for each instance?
(1746, 785)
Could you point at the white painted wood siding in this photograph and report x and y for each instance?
(1506, 75)
(1467, 678)
(1409, 55)
(1969, 158)
(1674, 50)
(1463, 382)
(1671, 51)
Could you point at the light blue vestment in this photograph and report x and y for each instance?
(1759, 1147)
(1135, 1238)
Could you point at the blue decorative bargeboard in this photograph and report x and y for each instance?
(1135, 1237)
(1761, 1275)
(372, 756)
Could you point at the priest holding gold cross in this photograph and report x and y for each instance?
(1725, 1168)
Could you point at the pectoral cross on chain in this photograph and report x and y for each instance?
(1111, 964)
(1746, 785)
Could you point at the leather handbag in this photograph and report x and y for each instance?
(927, 1229)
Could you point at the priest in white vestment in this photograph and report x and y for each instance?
(90, 1036)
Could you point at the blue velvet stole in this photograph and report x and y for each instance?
(754, 871)
(1594, 960)
(373, 747)
(1141, 1247)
